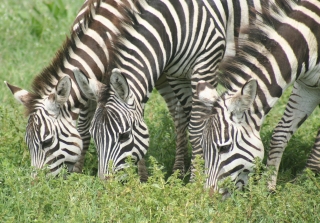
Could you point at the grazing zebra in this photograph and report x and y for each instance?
(280, 51)
(56, 103)
(183, 40)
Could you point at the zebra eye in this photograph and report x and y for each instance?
(46, 143)
(224, 149)
(124, 136)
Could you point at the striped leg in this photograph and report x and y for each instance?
(302, 102)
(313, 161)
(198, 112)
(180, 122)
(196, 127)
(192, 110)
(142, 170)
(84, 122)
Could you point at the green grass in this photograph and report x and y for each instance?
(31, 33)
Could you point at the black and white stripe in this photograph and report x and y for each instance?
(281, 50)
(90, 49)
(59, 114)
(184, 42)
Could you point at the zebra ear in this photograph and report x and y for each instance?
(63, 89)
(20, 94)
(88, 86)
(206, 93)
(243, 99)
(119, 84)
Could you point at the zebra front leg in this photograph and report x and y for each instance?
(142, 170)
(302, 102)
(196, 123)
(84, 121)
(180, 121)
(313, 161)
(181, 124)
(196, 127)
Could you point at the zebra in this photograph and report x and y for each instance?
(281, 50)
(183, 40)
(56, 105)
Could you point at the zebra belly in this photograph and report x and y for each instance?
(311, 79)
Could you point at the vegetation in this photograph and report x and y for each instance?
(31, 32)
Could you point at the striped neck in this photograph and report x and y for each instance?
(89, 48)
(279, 51)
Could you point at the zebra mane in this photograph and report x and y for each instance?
(264, 22)
(49, 76)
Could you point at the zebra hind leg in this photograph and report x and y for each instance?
(180, 121)
(142, 170)
(313, 161)
(181, 124)
(301, 103)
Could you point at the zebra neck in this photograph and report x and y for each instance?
(276, 55)
(90, 49)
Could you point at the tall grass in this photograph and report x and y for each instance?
(31, 32)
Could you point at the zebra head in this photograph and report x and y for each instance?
(51, 135)
(118, 127)
(229, 140)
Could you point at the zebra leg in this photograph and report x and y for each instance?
(313, 161)
(185, 92)
(180, 122)
(196, 125)
(142, 170)
(302, 102)
(84, 121)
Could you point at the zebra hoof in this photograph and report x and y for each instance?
(77, 169)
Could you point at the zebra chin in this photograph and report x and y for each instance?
(224, 191)
(49, 171)
(53, 166)
(225, 182)
(107, 173)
